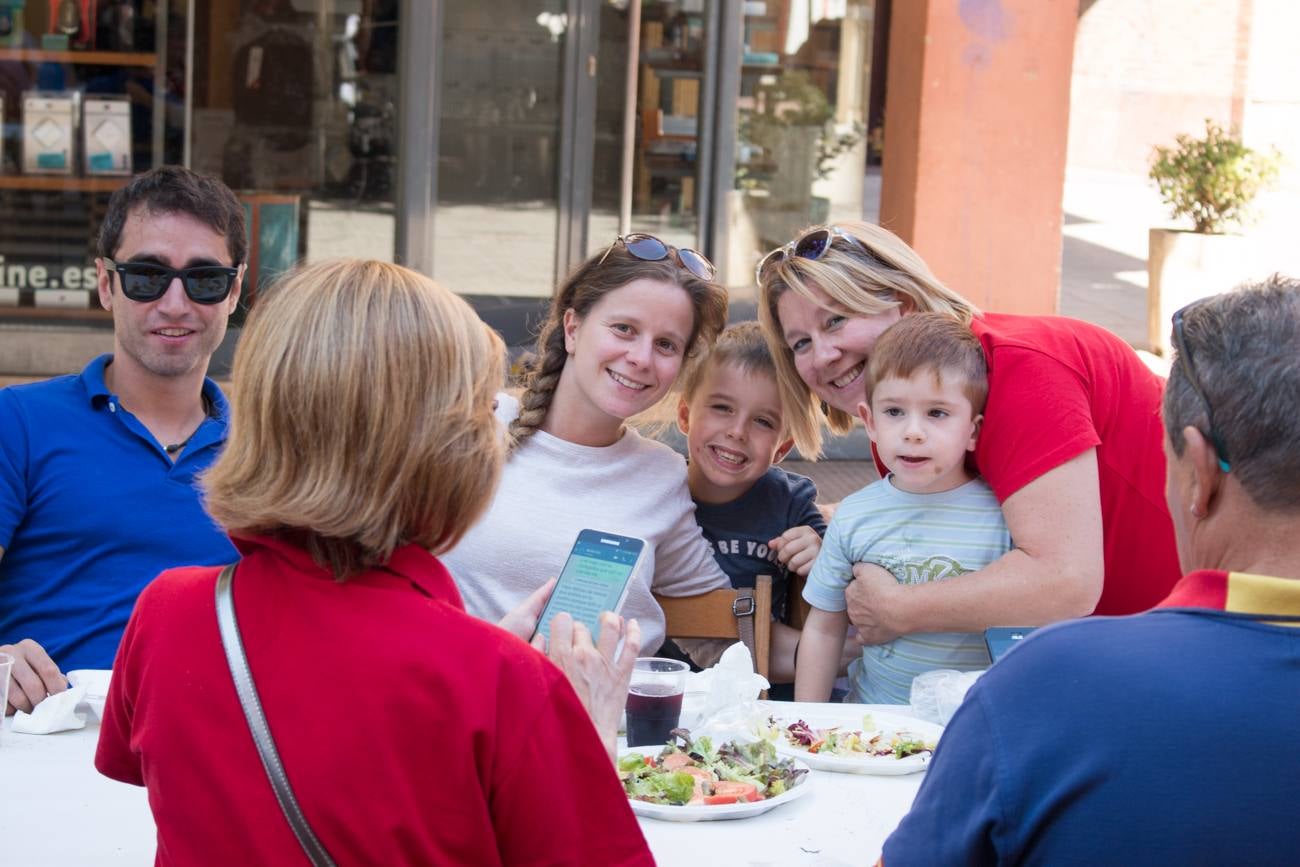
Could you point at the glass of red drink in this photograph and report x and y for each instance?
(654, 700)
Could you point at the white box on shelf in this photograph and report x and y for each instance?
(106, 135)
(8, 297)
(49, 132)
(78, 298)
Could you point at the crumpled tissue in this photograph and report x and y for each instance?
(937, 694)
(96, 681)
(729, 692)
(57, 713)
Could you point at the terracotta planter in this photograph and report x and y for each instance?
(1184, 266)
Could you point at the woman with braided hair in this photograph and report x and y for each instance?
(619, 332)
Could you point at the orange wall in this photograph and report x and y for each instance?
(976, 123)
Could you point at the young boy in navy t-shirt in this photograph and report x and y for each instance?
(760, 519)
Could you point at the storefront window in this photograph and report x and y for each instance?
(77, 95)
(802, 136)
(295, 107)
(296, 103)
(666, 167)
(498, 146)
(291, 102)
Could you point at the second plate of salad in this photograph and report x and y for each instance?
(870, 744)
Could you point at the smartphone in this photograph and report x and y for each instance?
(1000, 639)
(595, 578)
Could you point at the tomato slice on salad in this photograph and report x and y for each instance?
(727, 792)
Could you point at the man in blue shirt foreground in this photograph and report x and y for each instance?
(1166, 737)
(97, 471)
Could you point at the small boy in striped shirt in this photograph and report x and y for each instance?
(929, 519)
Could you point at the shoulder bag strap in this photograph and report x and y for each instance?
(257, 721)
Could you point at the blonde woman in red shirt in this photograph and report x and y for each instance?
(362, 438)
(1070, 442)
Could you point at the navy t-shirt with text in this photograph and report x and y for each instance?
(740, 530)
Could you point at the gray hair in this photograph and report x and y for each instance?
(1245, 348)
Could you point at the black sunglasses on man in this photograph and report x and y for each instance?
(148, 281)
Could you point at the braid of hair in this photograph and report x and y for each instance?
(536, 399)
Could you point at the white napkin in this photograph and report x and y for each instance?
(731, 691)
(96, 681)
(57, 713)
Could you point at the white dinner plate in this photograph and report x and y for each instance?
(716, 812)
(881, 765)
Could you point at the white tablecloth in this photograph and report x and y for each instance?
(55, 809)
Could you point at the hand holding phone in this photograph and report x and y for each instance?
(596, 578)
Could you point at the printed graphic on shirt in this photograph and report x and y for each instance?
(922, 572)
(744, 547)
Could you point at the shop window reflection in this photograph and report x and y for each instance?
(498, 147)
(298, 98)
(801, 123)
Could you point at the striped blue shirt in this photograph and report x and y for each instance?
(918, 538)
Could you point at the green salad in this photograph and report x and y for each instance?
(870, 740)
(687, 772)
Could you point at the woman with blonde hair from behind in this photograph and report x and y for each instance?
(362, 445)
(1070, 442)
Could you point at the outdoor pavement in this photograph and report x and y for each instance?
(1104, 251)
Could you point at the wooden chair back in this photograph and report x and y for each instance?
(799, 608)
(711, 615)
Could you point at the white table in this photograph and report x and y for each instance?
(55, 809)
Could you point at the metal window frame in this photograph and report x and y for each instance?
(577, 134)
(722, 62)
(419, 82)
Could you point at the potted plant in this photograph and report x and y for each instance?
(792, 140)
(1210, 180)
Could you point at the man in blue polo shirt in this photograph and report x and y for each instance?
(97, 471)
(1167, 737)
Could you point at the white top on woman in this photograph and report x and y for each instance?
(552, 488)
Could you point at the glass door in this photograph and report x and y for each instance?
(499, 145)
(651, 153)
(802, 142)
(544, 139)
(556, 124)
(295, 105)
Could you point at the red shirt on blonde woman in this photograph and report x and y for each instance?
(410, 731)
(1058, 387)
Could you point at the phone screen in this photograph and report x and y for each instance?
(1000, 639)
(599, 567)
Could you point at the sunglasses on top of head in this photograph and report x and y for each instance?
(812, 244)
(648, 248)
(148, 281)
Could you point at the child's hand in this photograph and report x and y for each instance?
(797, 548)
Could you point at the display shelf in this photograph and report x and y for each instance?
(96, 58)
(56, 183)
(82, 314)
(677, 72)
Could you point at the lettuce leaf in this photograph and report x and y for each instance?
(631, 762)
(674, 787)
